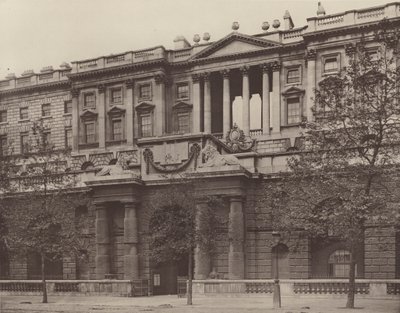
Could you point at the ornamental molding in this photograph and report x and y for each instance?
(42, 87)
(196, 78)
(237, 141)
(234, 36)
(293, 90)
(350, 49)
(194, 153)
(89, 114)
(130, 83)
(225, 73)
(115, 110)
(311, 54)
(145, 106)
(182, 105)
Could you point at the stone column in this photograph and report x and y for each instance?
(196, 103)
(265, 99)
(131, 259)
(129, 111)
(75, 119)
(236, 239)
(102, 242)
(276, 101)
(226, 102)
(202, 260)
(207, 103)
(311, 81)
(160, 106)
(101, 129)
(246, 99)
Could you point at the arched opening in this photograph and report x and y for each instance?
(280, 262)
(87, 166)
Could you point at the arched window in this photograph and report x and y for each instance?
(339, 264)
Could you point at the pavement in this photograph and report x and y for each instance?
(173, 304)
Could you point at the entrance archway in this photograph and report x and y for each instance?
(280, 261)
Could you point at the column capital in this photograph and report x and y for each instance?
(205, 76)
(245, 70)
(100, 205)
(75, 93)
(276, 66)
(311, 54)
(160, 79)
(129, 83)
(196, 77)
(225, 73)
(101, 88)
(265, 67)
(350, 49)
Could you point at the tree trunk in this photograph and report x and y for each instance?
(352, 282)
(189, 291)
(44, 288)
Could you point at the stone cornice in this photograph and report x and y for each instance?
(33, 88)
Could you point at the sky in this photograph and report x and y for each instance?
(39, 33)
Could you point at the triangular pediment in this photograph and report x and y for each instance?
(144, 106)
(292, 91)
(182, 105)
(89, 114)
(116, 111)
(235, 43)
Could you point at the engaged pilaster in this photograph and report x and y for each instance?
(276, 102)
(160, 107)
(207, 103)
(265, 99)
(226, 102)
(236, 239)
(311, 81)
(102, 116)
(131, 259)
(246, 99)
(102, 242)
(202, 258)
(75, 119)
(196, 103)
(129, 111)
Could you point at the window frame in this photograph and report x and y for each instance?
(1, 116)
(145, 97)
(21, 110)
(327, 57)
(66, 131)
(121, 98)
(300, 115)
(86, 123)
(3, 147)
(148, 115)
(344, 264)
(47, 111)
(85, 102)
(177, 94)
(290, 69)
(67, 106)
(22, 143)
(121, 134)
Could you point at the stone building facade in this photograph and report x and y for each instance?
(243, 95)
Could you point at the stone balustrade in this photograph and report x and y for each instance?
(353, 17)
(299, 287)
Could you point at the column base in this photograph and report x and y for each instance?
(202, 265)
(131, 267)
(236, 265)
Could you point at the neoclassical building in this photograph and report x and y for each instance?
(156, 109)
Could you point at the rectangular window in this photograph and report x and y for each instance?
(24, 140)
(68, 107)
(293, 76)
(372, 55)
(182, 91)
(68, 137)
(293, 111)
(117, 129)
(183, 123)
(89, 100)
(331, 64)
(3, 116)
(23, 113)
(116, 95)
(46, 110)
(146, 126)
(90, 134)
(3, 145)
(145, 91)
(47, 137)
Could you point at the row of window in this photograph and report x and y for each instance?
(24, 141)
(46, 111)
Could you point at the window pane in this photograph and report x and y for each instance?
(46, 110)
(23, 113)
(183, 91)
(146, 127)
(116, 96)
(3, 116)
(293, 76)
(117, 129)
(331, 65)
(145, 92)
(68, 107)
(89, 100)
(183, 122)
(293, 110)
(68, 137)
(24, 142)
(90, 133)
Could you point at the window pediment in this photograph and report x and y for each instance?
(116, 111)
(88, 115)
(145, 106)
(293, 91)
(181, 105)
